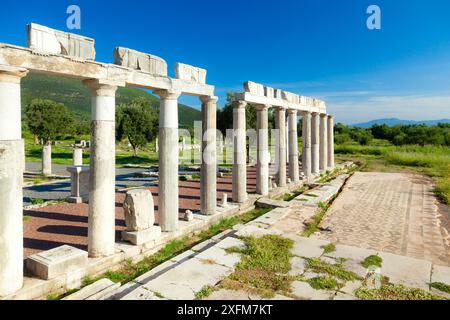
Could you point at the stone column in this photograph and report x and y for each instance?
(315, 140)
(306, 138)
(263, 155)
(11, 181)
(330, 125)
(77, 156)
(287, 140)
(323, 144)
(208, 177)
(102, 177)
(293, 146)
(47, 159)
(239, 153)
(168, 205)
(280, 125)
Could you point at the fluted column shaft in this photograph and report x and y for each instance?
(293, 146)
(239, 153)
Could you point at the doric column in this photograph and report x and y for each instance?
(102, 177)
(330, 125)
(11, 180)
(263, 155)
(168, 205)
(280, 125)
(239, 153)
(293, 145)
(306, 138)
(323, 144)
(208, 178)
(315, 140)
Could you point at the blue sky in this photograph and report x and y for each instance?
(311, 47)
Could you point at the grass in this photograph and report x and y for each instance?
(26, 218)
(316, 219)
(36, 201)
(328, 248)
(394, 292)
(264, 265)
(372, 261)
(204, 293)
(430, 160)
(291, 196)
(441, 286)
(323, 283)
(334, 270)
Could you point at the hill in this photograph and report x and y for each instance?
(395, 121)
(73, 94)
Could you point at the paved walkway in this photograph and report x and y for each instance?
(391, 212)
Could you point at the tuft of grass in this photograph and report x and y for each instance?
(317, 218)
(372, 260)
(205, 292)
(264, 265)
(328, 248)
(37, 201)
(335, 270)
(323, 283)
(394, 292)
(441, 286)
(26, 218)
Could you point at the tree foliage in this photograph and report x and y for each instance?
(137, 122)
(48, 120)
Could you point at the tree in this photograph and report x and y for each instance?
(225, 116)
(137, 122)
(47, 119)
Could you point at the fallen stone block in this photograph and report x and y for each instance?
(140, 237)
(55, 262)
(139, 210)
(50, 41)
(140, 61)
(190, 73)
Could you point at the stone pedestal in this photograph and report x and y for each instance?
(306, 138)
(239, 153)
(330, 153)
(102, 200)
(11, 180)
(140, 237)
(168, 160)
(323, 144)
(77, 156)
(208, 176)
(47, 160)
(263, 158)
(293, 146)
(79, 184)
(315, 140)
(55, 262)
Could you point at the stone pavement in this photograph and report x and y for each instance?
(390, 212)
(209, 263)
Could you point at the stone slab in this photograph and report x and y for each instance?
(141, 237)
(440, 274)
(216, 255)
(254, 231)
(190, 73)
(141, 294)
(140, 61)
(55, 262)
(270, 203)
(307, 247)
(90, 290)
(304, 290)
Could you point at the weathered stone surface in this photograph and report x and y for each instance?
(190, 73)
(254, 88)
(140, 61)
(188, 215)
(141, 293)
(52, 263)
(290, 97)
(50, 41)
(307, 247)
(270, 203)
(304, 290)
(140, 237)
(79, 184)
(269, 92)
(297, 266)
(90, 290)
(139, 210)
(440, 274)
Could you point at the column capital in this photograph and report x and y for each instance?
(279, 108)
(12, 74)
(292, 111)
(101, 87)
(167, 94)
(306, 113)
(239, 104)
(323, 115)
(262, 107)
(330, 116)
(315, 113)
(206, 99)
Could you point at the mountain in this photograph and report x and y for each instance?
(73, 94)
(395, 121)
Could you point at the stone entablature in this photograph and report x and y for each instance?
(140, 61)
(259, 94)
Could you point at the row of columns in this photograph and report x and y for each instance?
(317, 147)
(102, 208)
